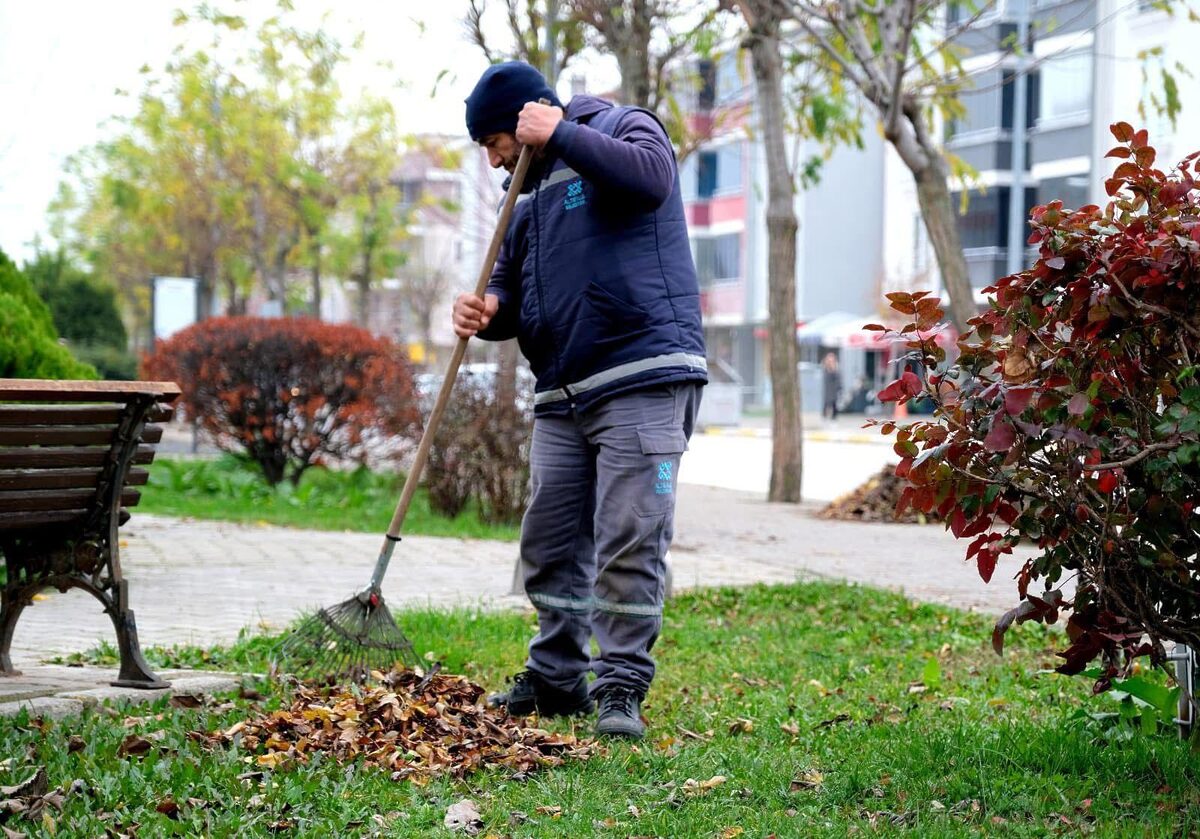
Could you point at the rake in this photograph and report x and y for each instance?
(359, 635)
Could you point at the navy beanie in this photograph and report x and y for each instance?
(500, 94)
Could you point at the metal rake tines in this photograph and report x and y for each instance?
(349, 639)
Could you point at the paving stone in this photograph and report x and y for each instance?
(115, 695)
(206, 685)
(51, 707)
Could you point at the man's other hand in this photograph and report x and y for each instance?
(471, 314)
(536, 123)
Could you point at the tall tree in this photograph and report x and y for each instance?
(367, 244)
(301, 67)
(764, 20)
(885, 51)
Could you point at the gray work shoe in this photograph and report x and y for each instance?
(620, 713)
(530, 692)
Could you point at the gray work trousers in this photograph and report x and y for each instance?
(599, 522)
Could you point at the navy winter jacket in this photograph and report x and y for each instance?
(595, 276)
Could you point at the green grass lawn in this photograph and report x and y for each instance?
(817, 703)
(229, 489)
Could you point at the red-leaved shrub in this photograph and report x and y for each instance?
(289, 392)
(1071, 418)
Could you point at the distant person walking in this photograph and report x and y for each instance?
(833, 385)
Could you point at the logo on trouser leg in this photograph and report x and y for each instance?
(665, 478)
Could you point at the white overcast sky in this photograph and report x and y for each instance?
(62, 61)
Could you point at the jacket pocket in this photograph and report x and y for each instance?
(662, 447)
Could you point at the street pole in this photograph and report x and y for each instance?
(1016, 194)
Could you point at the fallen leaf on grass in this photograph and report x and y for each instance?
(811, 779)
(832, 721)
(136, 744)
(694, 788)
(168, 808)
(790, 728)
(75, 743)
(185, 700)
(463, 816)
(551, 810)
(35, 785)
(741, 725)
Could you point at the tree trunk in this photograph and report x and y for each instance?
(937, 211)
(364, 289)
(633, 60)
(787, 429)
(316, 281)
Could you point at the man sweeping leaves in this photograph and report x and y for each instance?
(595, 279)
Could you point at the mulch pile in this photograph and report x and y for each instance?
(415, 727)
(876, 500)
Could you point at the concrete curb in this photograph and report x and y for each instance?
(55, 704)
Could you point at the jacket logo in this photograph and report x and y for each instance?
(575, 197)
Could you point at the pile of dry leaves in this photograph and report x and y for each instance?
(415, 727)
(876, 500)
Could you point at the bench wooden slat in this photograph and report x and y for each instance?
(54, 457)
(11, 479)
(23, 521)
(57, 499)
(23, 415)
(69, 435)
(51, 435)
(44, 390)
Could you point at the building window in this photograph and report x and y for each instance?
(719, 171)
(706, 174)
(1008, 100)
(729, 168)
(707, 95)
(981, 106)
(1065, 86)
(1072, 191)
(985, 224)
(410, 192)
(718, 258)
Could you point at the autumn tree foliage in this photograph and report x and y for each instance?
(290, 392)
(1071, 418)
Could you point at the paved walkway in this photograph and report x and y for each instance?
(202, 582)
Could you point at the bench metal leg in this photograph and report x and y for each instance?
(135, 672)
(10, 610)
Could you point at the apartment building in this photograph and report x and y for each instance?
(839, 265)
(1082, 70)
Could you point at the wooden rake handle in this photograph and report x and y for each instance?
(460, 349)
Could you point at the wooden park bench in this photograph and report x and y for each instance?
(71, 456)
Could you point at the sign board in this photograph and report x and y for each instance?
(174, 304)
